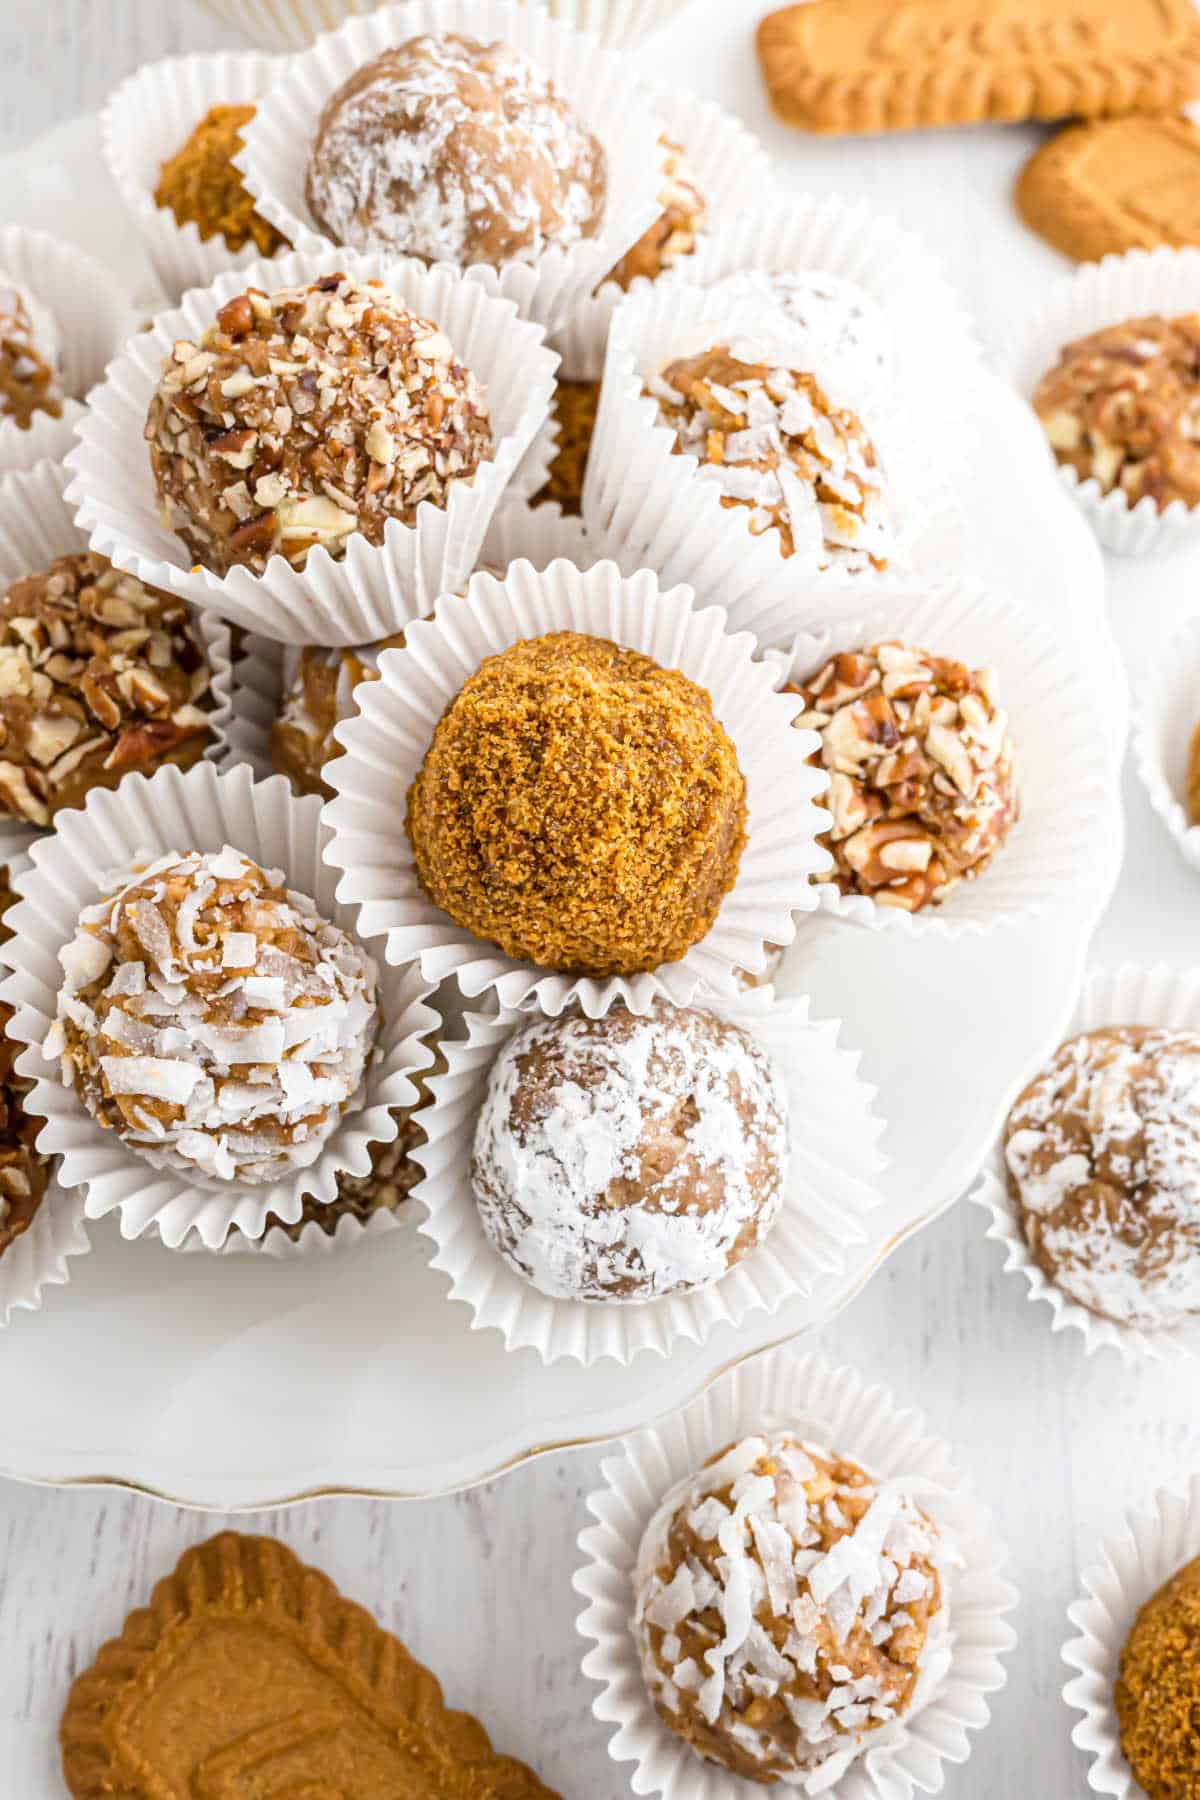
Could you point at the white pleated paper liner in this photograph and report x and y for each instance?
(292, 24)
(36, 526)
(1152, 1545)
(727, 163)
(602, 85)
(372, 590)
(93, 317)
(539, 534)
(386, 743)
(1166, 713)
(40, 1258)
(832, 1187)
(648, 504)
(1128, 995)
(839, 1409)
(1135, 285)
(147, 120)
(204, 810)
(1063, 784)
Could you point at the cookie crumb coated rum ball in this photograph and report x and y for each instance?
(201, 186)
(922, 771)
(579, 806)
(781, 452)
(1122, 407)
(303, 416)
(1157, 1693)
(1103, 1157)
(99, 675)
(630, 1157)
(455, 151)
(787, 1606)
(213, 1019)
(30, 356)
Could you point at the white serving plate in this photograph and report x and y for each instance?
(243, 1382)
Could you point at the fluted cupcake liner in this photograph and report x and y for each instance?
(348, 1234)
(727, 161)
(395, 723)
(1166, 715)
(539, 534)
(147, 120)
(832, 1187)
(36, 526)
(602, 85)
(1054, 722)
(1134, 1563)
(94, 318)
(837, 1408)
(40, 1258)
(202, 809)
(649, 505)
(1108, 292)
(1128, 995)
(374, 589)
(291, 24)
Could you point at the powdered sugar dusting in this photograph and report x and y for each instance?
(1103, 1155)
(625, 1158)
(224, 1075)
(455, 151)
(808, 1629)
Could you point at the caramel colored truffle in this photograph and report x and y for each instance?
(922, 780)
(1122, 407)
(213, 1019)
(575, 405)
(99, 675)
(785, 1606)
(781, 453)
(455, 151)
(201, 186)
(1157, 1693)
(24, 1171)
(630, 1157)
(1103, 1158)
(579, 806)
(318, 694)
(306, 415)
(674, 233)
(30, 357)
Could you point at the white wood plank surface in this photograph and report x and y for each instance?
(479, 1585)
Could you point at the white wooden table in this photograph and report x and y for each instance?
(479, 1585)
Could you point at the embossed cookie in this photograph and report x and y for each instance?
(887, 65)
(249, 1677)
(1112, 185)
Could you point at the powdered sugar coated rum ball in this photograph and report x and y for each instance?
(630, 1157)
(213, 1019)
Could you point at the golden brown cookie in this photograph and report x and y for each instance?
(249, 1677)
(1112, 185)
(889, 65)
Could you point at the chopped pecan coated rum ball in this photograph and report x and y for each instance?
(785, 1606)
(99, 675)
(306, 415)
(922, 780)
(455, 151)
(1122, 407)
